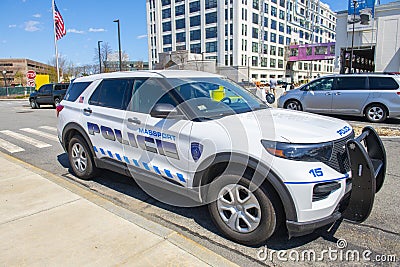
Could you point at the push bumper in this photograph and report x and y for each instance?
(367, 158)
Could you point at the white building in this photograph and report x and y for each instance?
(248, 35)
(376, 49)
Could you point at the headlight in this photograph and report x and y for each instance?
(301, 152)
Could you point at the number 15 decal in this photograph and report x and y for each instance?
(317, 172)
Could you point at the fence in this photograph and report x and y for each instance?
(15, 91)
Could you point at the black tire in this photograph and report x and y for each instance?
(33, 104)
(376, 113)
(56, 101)
(293, 105)
(267, 211)
(78, 150)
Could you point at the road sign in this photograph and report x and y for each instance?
(31, 83)
(31, 74)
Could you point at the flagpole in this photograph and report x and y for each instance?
(55, 42)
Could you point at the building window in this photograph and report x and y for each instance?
(165, 2)
(167, 39)
(281, 27)
(195, 21)
(255, 18)
(282, 3)
(211, 47)
(211, 18)
(195, 35)
(194, 6)
(288, 30)
(273, 11)
(265, 36)
(254, 47)
(211, 4)
(288, 41)
(272, 50)
(167, 49)
(266, 22)
(273, 24)
(166, 13)
(264, 62)
(181, 37)
(281, 39)
(195, 48)
(211, 32)
(255, 33)
(256, 4)
(273, 37)
(272, 63)
(281, 14)
(180, 24)
(180, 10)
(280, 51)
(254, 61)
(166, 26)
(265, 49)
(180, 47)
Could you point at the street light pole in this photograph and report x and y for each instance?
(352, 36)
(98, 47)
(119, 44)
(248, 68)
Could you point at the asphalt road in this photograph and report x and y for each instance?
(380, 234)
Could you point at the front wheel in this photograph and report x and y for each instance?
(33, 104)
(80, 158)
(244, 216)
(293, 105)
(375, 113)
(56, 101)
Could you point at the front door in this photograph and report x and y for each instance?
(318, 96)
(45, 94)
(157, 147)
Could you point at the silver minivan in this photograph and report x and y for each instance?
(375, 96)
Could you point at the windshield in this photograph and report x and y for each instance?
(215, 97)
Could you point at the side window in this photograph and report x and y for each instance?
(324, 84)
(382, 83)
(113, 93)
(351, 83)
(147, 93)
(75, 90)
(47, 89)
(44, 88)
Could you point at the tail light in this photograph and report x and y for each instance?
(59, 108)
(398, 93)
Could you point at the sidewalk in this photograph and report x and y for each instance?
(44, 224)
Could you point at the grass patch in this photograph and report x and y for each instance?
(382, 131)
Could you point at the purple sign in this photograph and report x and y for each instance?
(308, 52)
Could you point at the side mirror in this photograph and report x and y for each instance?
(163, 111)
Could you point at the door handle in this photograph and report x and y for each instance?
(328, 94)
(87, 110)
(134, 121)
(337, 93)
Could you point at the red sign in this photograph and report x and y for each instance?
(31, 74)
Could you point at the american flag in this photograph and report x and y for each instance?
(58, 20)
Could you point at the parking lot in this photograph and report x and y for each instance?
(377, 239)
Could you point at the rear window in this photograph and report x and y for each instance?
(75, 90)
(383, 83)
(351, 83)
(61, 86)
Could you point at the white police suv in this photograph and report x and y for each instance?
(204, 137)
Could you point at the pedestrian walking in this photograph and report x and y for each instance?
(272, 85)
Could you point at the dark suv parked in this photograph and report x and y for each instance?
(48, 94)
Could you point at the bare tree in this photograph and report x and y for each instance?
(19, 77)
(105, 52)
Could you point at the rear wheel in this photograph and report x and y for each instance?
(80, 158)
(245, 216)
(375, 113)
(293, 105)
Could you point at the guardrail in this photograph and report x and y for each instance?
(16, 91)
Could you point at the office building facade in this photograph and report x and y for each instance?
(249, 35)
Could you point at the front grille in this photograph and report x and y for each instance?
(339, 160)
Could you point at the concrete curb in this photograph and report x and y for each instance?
(202, 253)
(13, 99)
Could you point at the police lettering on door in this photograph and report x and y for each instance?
(147, 143)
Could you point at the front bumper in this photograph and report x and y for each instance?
(367, 158)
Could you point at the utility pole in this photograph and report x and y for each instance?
(352, 36)
(98, 47)
(119, 44)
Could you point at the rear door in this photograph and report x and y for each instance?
(318, 95)
(103, 116)
(350, 95)
(385, 90)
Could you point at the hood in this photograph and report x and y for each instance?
(294, 126)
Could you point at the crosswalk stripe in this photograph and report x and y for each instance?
(25, 139)
(48, 128)
(40, 133)
(10, 147)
